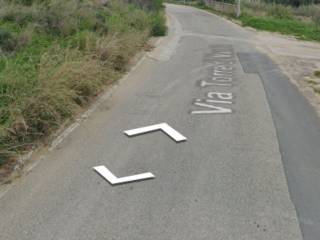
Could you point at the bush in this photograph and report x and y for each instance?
(154, 5)
(292, 27)
(159, 27)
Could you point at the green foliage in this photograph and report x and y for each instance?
(293, 27)
(200, 3)
(58, 55)
(303, 21)
(125, 18)
(65, 18)
(158, 27)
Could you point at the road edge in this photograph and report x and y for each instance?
(27, 162)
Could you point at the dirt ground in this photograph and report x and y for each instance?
(298, 59)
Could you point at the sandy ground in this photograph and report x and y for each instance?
(298, 59)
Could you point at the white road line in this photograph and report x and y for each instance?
(176, 136)
(113, 180)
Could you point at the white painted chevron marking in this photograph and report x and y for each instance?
(164, 127)
(113, 180)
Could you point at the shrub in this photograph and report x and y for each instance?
(158, 25)
(157, 5)
(154, 5)
(139, 20)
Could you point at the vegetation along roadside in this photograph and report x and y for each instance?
(299, 18)
(57, 55)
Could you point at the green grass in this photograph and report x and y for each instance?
(56, 58)
(285, 26)
(317, 73)
(158, 26)
(273, 18)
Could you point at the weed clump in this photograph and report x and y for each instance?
(158, 25)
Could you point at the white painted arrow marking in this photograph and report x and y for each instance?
(113, 180)
(162, 126)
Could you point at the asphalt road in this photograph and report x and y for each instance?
(241, 118)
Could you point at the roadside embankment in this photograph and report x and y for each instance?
(56, 56)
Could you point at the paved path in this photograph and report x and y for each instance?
(227, 181)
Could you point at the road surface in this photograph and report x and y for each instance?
(227, 181)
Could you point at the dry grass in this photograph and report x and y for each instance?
(64, 56)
